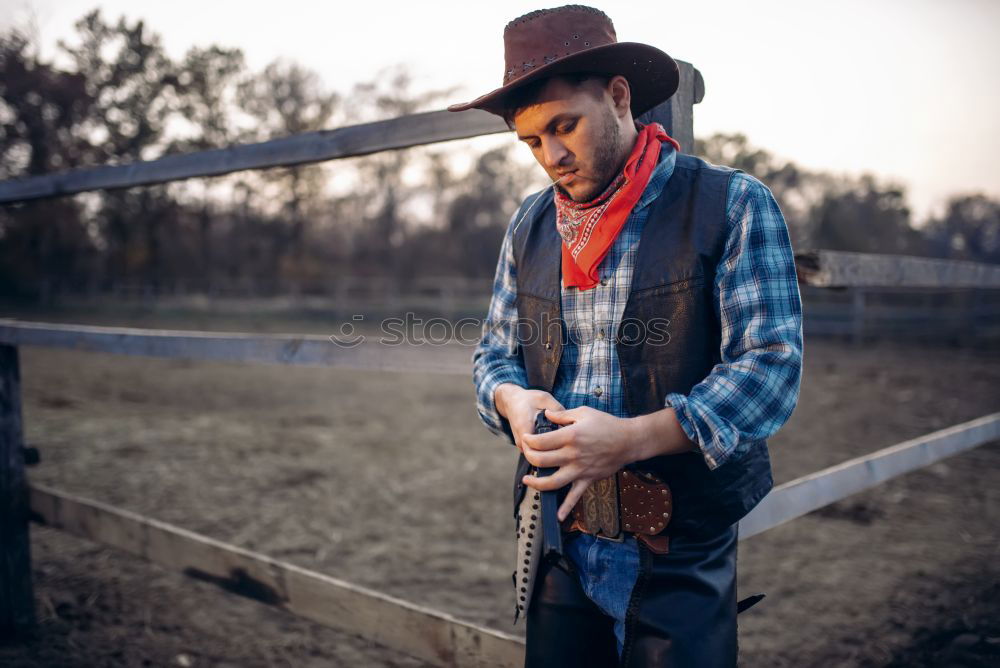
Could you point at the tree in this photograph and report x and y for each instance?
(383, 197)
(41, 111)
(42, 244)
(478, 216)
(825, 210)
(287, 99)
(131, 83)
(132, 86)
(866, 216)
(796, 190)
(968, 230)
(208, 82)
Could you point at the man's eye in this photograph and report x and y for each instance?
(568, 127)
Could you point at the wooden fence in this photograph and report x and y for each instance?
(961, 315)
(426, 634)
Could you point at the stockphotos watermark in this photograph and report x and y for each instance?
(412, 330)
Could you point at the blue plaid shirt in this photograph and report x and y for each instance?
(745, 398)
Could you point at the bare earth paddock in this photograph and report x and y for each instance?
(389, 480)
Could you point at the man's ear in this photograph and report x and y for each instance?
(621, 94)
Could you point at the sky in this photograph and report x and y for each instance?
(908, 90)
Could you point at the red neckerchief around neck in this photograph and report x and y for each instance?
(589, 228)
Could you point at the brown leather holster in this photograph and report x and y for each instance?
(635, 502)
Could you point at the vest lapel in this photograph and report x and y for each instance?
(543, 277)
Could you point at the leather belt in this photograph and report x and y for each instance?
(627, 502)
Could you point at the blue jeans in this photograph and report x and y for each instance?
(607, 571)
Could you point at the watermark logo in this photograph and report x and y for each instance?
(412, 330)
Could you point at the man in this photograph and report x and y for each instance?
(647, 303)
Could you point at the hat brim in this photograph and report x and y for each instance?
(652, 75)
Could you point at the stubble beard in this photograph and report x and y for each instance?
(608, 159)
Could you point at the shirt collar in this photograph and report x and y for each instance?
(661, 174)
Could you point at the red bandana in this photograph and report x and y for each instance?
(589, 228)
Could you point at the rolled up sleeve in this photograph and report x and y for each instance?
(752, 392)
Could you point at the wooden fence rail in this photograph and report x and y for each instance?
(812, 492)
(432, 636)
(356, 140)
(840, 269)
(293, 349)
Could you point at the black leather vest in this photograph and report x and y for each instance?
(680, 246)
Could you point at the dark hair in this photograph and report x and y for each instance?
(525, 95)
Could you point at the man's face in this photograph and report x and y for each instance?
(574, 133)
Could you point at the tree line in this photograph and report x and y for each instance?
(117, 97)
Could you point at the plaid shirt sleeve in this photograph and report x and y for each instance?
(496, 358)
(752, 392)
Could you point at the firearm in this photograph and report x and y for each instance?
(551, 529)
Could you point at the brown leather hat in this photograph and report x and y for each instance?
(574, 38)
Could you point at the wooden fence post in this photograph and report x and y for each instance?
(677, 114)
(17, 609)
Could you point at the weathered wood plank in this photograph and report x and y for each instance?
(804, 495)
(355, 140)
(677, 114)
(689, 92)
(301, 350)
(403, 132)
(838, 269)
(415, 630)
(17, 611)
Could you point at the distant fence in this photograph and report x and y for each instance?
(898, 296)
(426, 634)
(341, 289)
(962, 315)
(923, 314)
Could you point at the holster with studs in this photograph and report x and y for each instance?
(630, 501)
(539, 533)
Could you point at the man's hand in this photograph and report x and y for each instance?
(591, 445)
(520, 406)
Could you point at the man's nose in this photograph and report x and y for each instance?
(554, 153)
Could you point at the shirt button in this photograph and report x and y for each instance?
(600, 333)
(598, 391)
(604, 281)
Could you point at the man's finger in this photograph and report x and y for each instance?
(561, 416)
(546, 458)
(562, 477)
(574, 494)
(550, 402)
(519, 434)
(552, 440)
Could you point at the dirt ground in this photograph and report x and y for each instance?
(389, 480)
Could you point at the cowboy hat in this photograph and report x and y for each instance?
(571, 39)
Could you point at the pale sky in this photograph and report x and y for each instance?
(905, 89)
